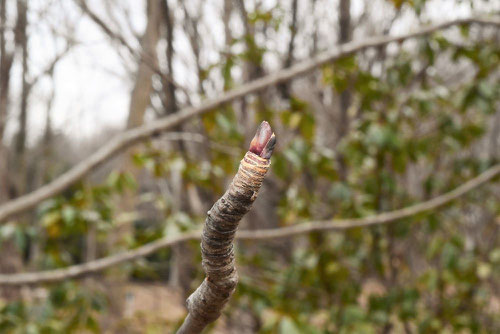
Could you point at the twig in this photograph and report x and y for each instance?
(132, 136)
(200, 139)
(138, 55)
(282, 232)
(206, 303)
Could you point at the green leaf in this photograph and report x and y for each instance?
(288, 326)
(353, 314)
(69, 215)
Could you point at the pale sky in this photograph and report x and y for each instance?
(92, 85)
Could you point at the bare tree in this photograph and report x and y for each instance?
(139, 102)
(144, 132)
(345, 32)
(6, 59)
(153, 88)
(285, 87)
(11, 261)
(170, 101)
(21, 40)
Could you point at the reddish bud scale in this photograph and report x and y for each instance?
(264, 141)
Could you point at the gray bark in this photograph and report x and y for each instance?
(345, 96)
(206, 303)
(285, 87)
(6, 59)
(20, 144)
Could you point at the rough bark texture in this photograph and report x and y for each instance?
(206, 303)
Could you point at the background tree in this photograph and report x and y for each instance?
(383, 142)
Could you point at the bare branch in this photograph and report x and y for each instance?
(200, 139)
(49, 69)
(140, 56)
(133, 136)
(283, 232)
(206, 303)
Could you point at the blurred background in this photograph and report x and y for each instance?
(374, 131)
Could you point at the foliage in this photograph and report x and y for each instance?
(364, 281)
(67, 308)
(427, 274)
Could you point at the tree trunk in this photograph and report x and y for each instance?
(20, 142)
(169, 87)
(285, 87)
(139, 102)
(345, 96)
(11, 260)
(6, 58)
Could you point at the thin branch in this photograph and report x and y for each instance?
(282, 232)
(140, 56)
(49, 70)
(132, 136)
(199, 139)
(206, 303)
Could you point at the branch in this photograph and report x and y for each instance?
(140, 56)
(199, 139)
(49, 70)
(206, 303)
(282, 232)
(132, 136)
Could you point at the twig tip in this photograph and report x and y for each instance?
(264, 141)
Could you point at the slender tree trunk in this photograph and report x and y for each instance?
(226, 17)
(345, 96)
(44, 176)
(285, 87)
(6, 59)
(494, 141)
(181, 259)
(169, 87)
(11, 260)
(141, 92)
(139, 102)
(20, 143)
